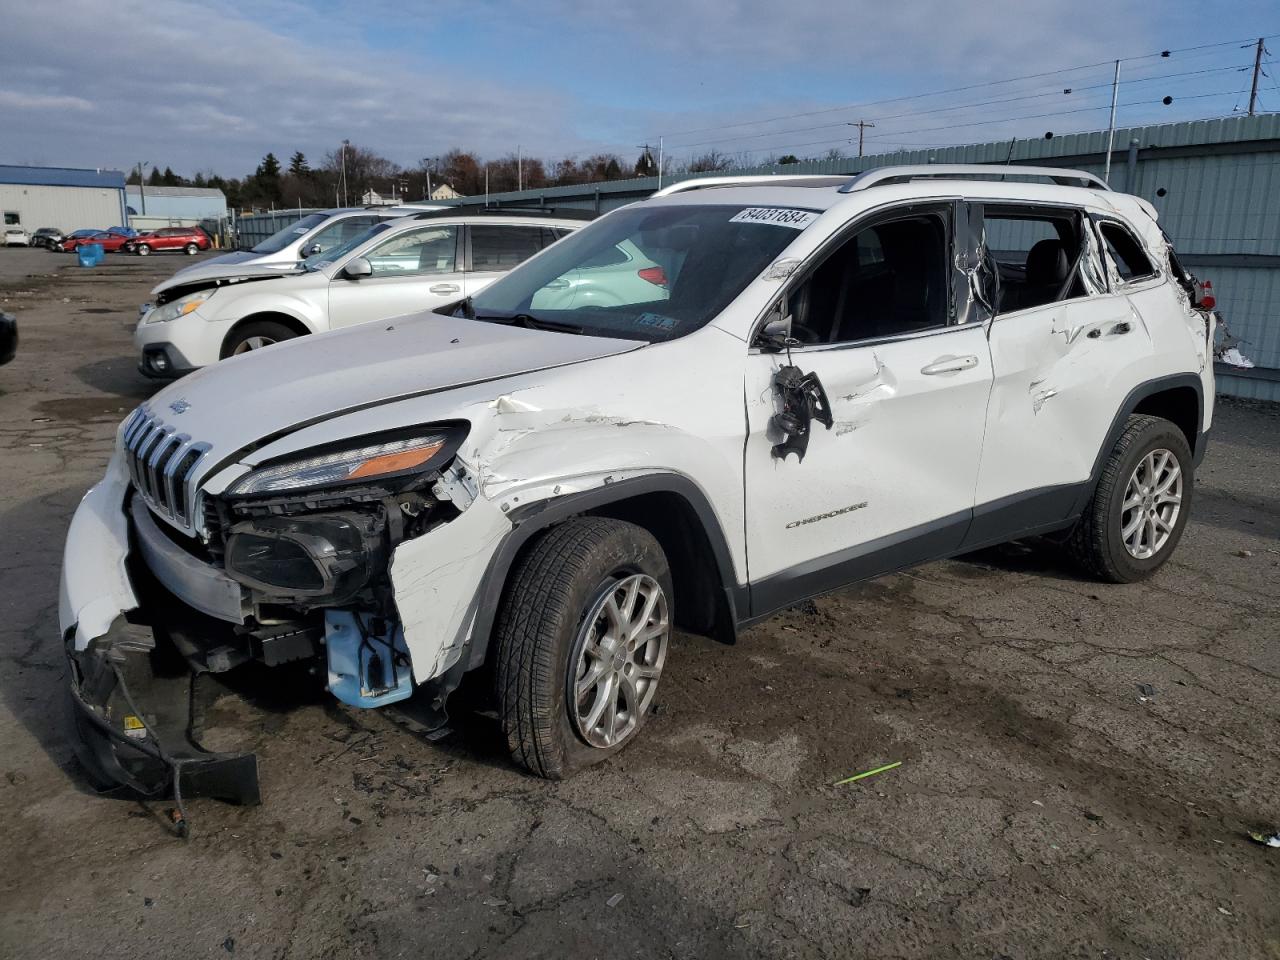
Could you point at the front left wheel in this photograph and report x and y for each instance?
(581, 641)
(191, 249)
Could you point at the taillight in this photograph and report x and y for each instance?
(1206, 300)
(655, 275)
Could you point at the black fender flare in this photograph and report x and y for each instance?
(1135, 396)
(530, 520)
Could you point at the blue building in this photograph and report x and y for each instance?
(153, 207)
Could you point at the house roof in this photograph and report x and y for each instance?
(179, 191)
(61, 177)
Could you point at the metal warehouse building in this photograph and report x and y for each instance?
(153, 207)
(62, 197)
(1215, 183)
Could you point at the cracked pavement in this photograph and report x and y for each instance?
(1080, 761)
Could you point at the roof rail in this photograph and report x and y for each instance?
(986, 171)
(546, 213)
(780, 179)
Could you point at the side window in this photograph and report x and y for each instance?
(495, 247)
(423, 252)
(339, 233)
(889, 278)
(1130, 260)
(1037, 256)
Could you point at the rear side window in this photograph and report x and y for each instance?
(495, 247)
(1036, 255)
(1131, 261)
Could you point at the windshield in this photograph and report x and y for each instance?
(282, 238)
(319, 260)
(654, 273)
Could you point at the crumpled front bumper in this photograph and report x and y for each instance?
(136, 701)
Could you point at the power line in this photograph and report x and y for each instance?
(963, 106)
(980, 123)
(962, 89)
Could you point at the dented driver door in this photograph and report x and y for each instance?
(891, 482)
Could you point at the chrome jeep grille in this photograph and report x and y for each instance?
(162, 464)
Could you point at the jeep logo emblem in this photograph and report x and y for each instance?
(180, 406)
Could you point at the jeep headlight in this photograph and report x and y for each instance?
(378, 461)
(180, 307)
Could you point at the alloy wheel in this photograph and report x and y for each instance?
(1152, 502)
(617, 660)
(251, 343)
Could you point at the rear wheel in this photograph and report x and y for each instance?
(143, 250)
(581, 641)
(1140, 507)
(191, 249)
(255, 336)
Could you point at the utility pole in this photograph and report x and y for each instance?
(861, 125)
(345, 144)
(1111, 129)
(519, 168)
(1257, 71)
(659, 163)
(142, 187)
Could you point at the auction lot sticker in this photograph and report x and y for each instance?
(778, 216)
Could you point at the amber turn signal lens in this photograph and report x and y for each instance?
(395, 462)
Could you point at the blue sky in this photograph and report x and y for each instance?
(215, 85)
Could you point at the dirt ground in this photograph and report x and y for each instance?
(1080, 762)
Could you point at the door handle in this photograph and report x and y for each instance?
(558, 284)
(949, 365)
(444, 288)
(1124, 326)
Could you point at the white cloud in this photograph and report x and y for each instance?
(19, 100)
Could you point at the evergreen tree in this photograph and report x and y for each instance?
(298, 166)
(153, 178)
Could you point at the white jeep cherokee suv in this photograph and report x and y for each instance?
(400, 266)
(834, 379)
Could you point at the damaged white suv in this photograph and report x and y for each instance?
(820, 380)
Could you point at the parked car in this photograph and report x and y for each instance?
(312, 234)
(8, 337)
(76, 235)
(844, 378)
(111, 242)
(190, 240)
(393, 268)
(46, 236)
(16, 237)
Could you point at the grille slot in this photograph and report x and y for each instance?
(162, 464)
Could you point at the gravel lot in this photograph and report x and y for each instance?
(1080, 762)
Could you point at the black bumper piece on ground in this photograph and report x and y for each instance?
(137, 708)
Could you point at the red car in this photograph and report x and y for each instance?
(190, 240)
(111, 242)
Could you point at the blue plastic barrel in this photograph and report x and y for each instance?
(90, 254)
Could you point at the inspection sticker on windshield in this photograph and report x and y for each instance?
(778, 216)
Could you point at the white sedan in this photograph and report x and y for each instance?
(16, 237)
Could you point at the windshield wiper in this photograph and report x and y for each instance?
(528, 321)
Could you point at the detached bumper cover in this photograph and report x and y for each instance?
(137, 707)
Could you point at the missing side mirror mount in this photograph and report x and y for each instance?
(802, 400)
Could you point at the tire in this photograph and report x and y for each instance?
(255, 336)
(1098, 541)
(191, 249)
(556, 605)
(143, 250)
